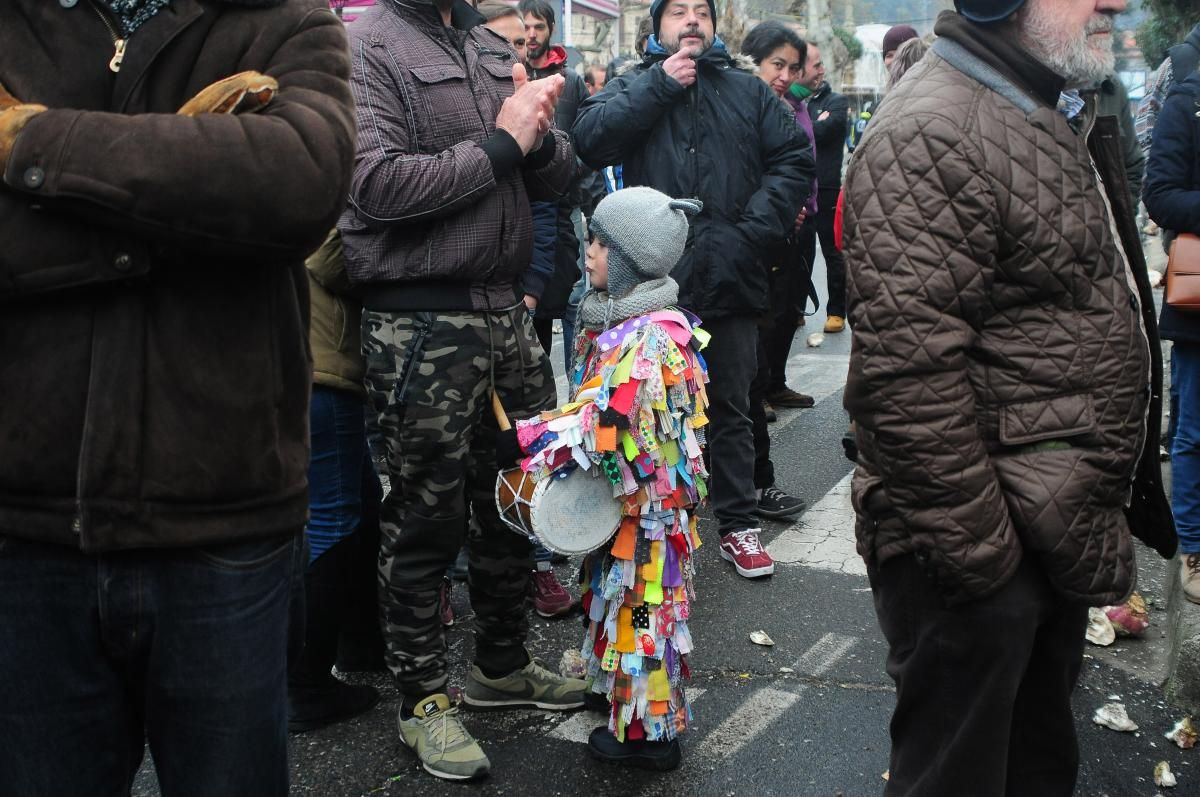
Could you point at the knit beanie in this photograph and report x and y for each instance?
(645, 232)
(658, 6)
(897, 36)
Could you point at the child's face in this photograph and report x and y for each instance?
(597, 264)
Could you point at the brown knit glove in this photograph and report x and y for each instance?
(14, 115)
(245, 91)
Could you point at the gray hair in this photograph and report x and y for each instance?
(907, 55)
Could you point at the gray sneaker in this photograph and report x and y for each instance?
(532, 686)
(437, 736)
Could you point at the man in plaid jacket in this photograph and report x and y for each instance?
(453, 142)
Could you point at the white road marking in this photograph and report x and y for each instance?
(823, 537)
(579, 726)
(821, 657)
(768, 704)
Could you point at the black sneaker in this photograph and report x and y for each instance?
(775, 503)
(658, 756)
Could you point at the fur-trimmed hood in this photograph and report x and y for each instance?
(737, 61)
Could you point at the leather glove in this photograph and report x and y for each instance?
(245, 91)
(508, 450)
(14, 115)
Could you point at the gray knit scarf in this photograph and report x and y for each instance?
(598, 310)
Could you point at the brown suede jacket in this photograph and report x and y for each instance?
(1006, 374)
(154, 373)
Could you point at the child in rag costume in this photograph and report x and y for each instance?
(638, 401)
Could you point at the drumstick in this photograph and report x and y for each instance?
(498, 411)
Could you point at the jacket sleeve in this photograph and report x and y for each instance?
(1134, 157)
(1172, 200)
(327, 266)
(550, 170)
(269, 183)
(920, 246)
(1151, 105)
(770, 213)
(620, 118)
(545, 239)
(831, 131)
(392, 183)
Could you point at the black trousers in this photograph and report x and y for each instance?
(791, 281)
(983, 689)
(764, 469)
(821, 226)
(732, 364)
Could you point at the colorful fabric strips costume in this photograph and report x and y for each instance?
(638, 415)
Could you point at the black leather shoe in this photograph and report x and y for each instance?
(312, 708)
(657, 756)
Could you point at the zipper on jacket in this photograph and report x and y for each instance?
(114, 63)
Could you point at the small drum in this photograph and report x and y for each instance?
(570, 512)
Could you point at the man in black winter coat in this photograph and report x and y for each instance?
(690, 123)
(831, 121)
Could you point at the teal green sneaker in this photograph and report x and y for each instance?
(532, 686)
(437, 736)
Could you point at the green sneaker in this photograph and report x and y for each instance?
(532, 686)
(437, 736)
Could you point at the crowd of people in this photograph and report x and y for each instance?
(256, 259)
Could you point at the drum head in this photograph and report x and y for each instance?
(575, 512)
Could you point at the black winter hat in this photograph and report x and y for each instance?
(658, 6)
(988, 10)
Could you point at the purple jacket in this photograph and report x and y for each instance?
(805, 122)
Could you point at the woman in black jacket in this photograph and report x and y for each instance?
(1173, 201)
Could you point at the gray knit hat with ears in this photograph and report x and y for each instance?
(645, 232)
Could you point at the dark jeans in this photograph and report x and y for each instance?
(186, 649)
(341, 474)
(790, 283)
(983, 703)
(732, 359)
(764, 469)
(821, 226)
(1185, 447)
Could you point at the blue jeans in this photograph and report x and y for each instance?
(1185, 448)
(185, 649)
(341, 475)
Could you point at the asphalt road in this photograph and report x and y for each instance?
(808, 716)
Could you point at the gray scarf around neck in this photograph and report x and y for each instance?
(598, 310)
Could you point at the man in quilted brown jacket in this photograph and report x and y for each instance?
(1006, 381)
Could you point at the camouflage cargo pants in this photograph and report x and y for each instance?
(429, 378)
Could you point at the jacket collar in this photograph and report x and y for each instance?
(463, 15)
(1193, 38)
(821, 92)
(716, 55)
(996, 46)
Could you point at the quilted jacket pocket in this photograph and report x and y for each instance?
(1027, 422)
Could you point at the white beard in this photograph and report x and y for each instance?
(1078, 57)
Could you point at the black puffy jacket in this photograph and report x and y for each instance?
(727, 140)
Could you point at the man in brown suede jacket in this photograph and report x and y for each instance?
(154, 380)
(1006, 382)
